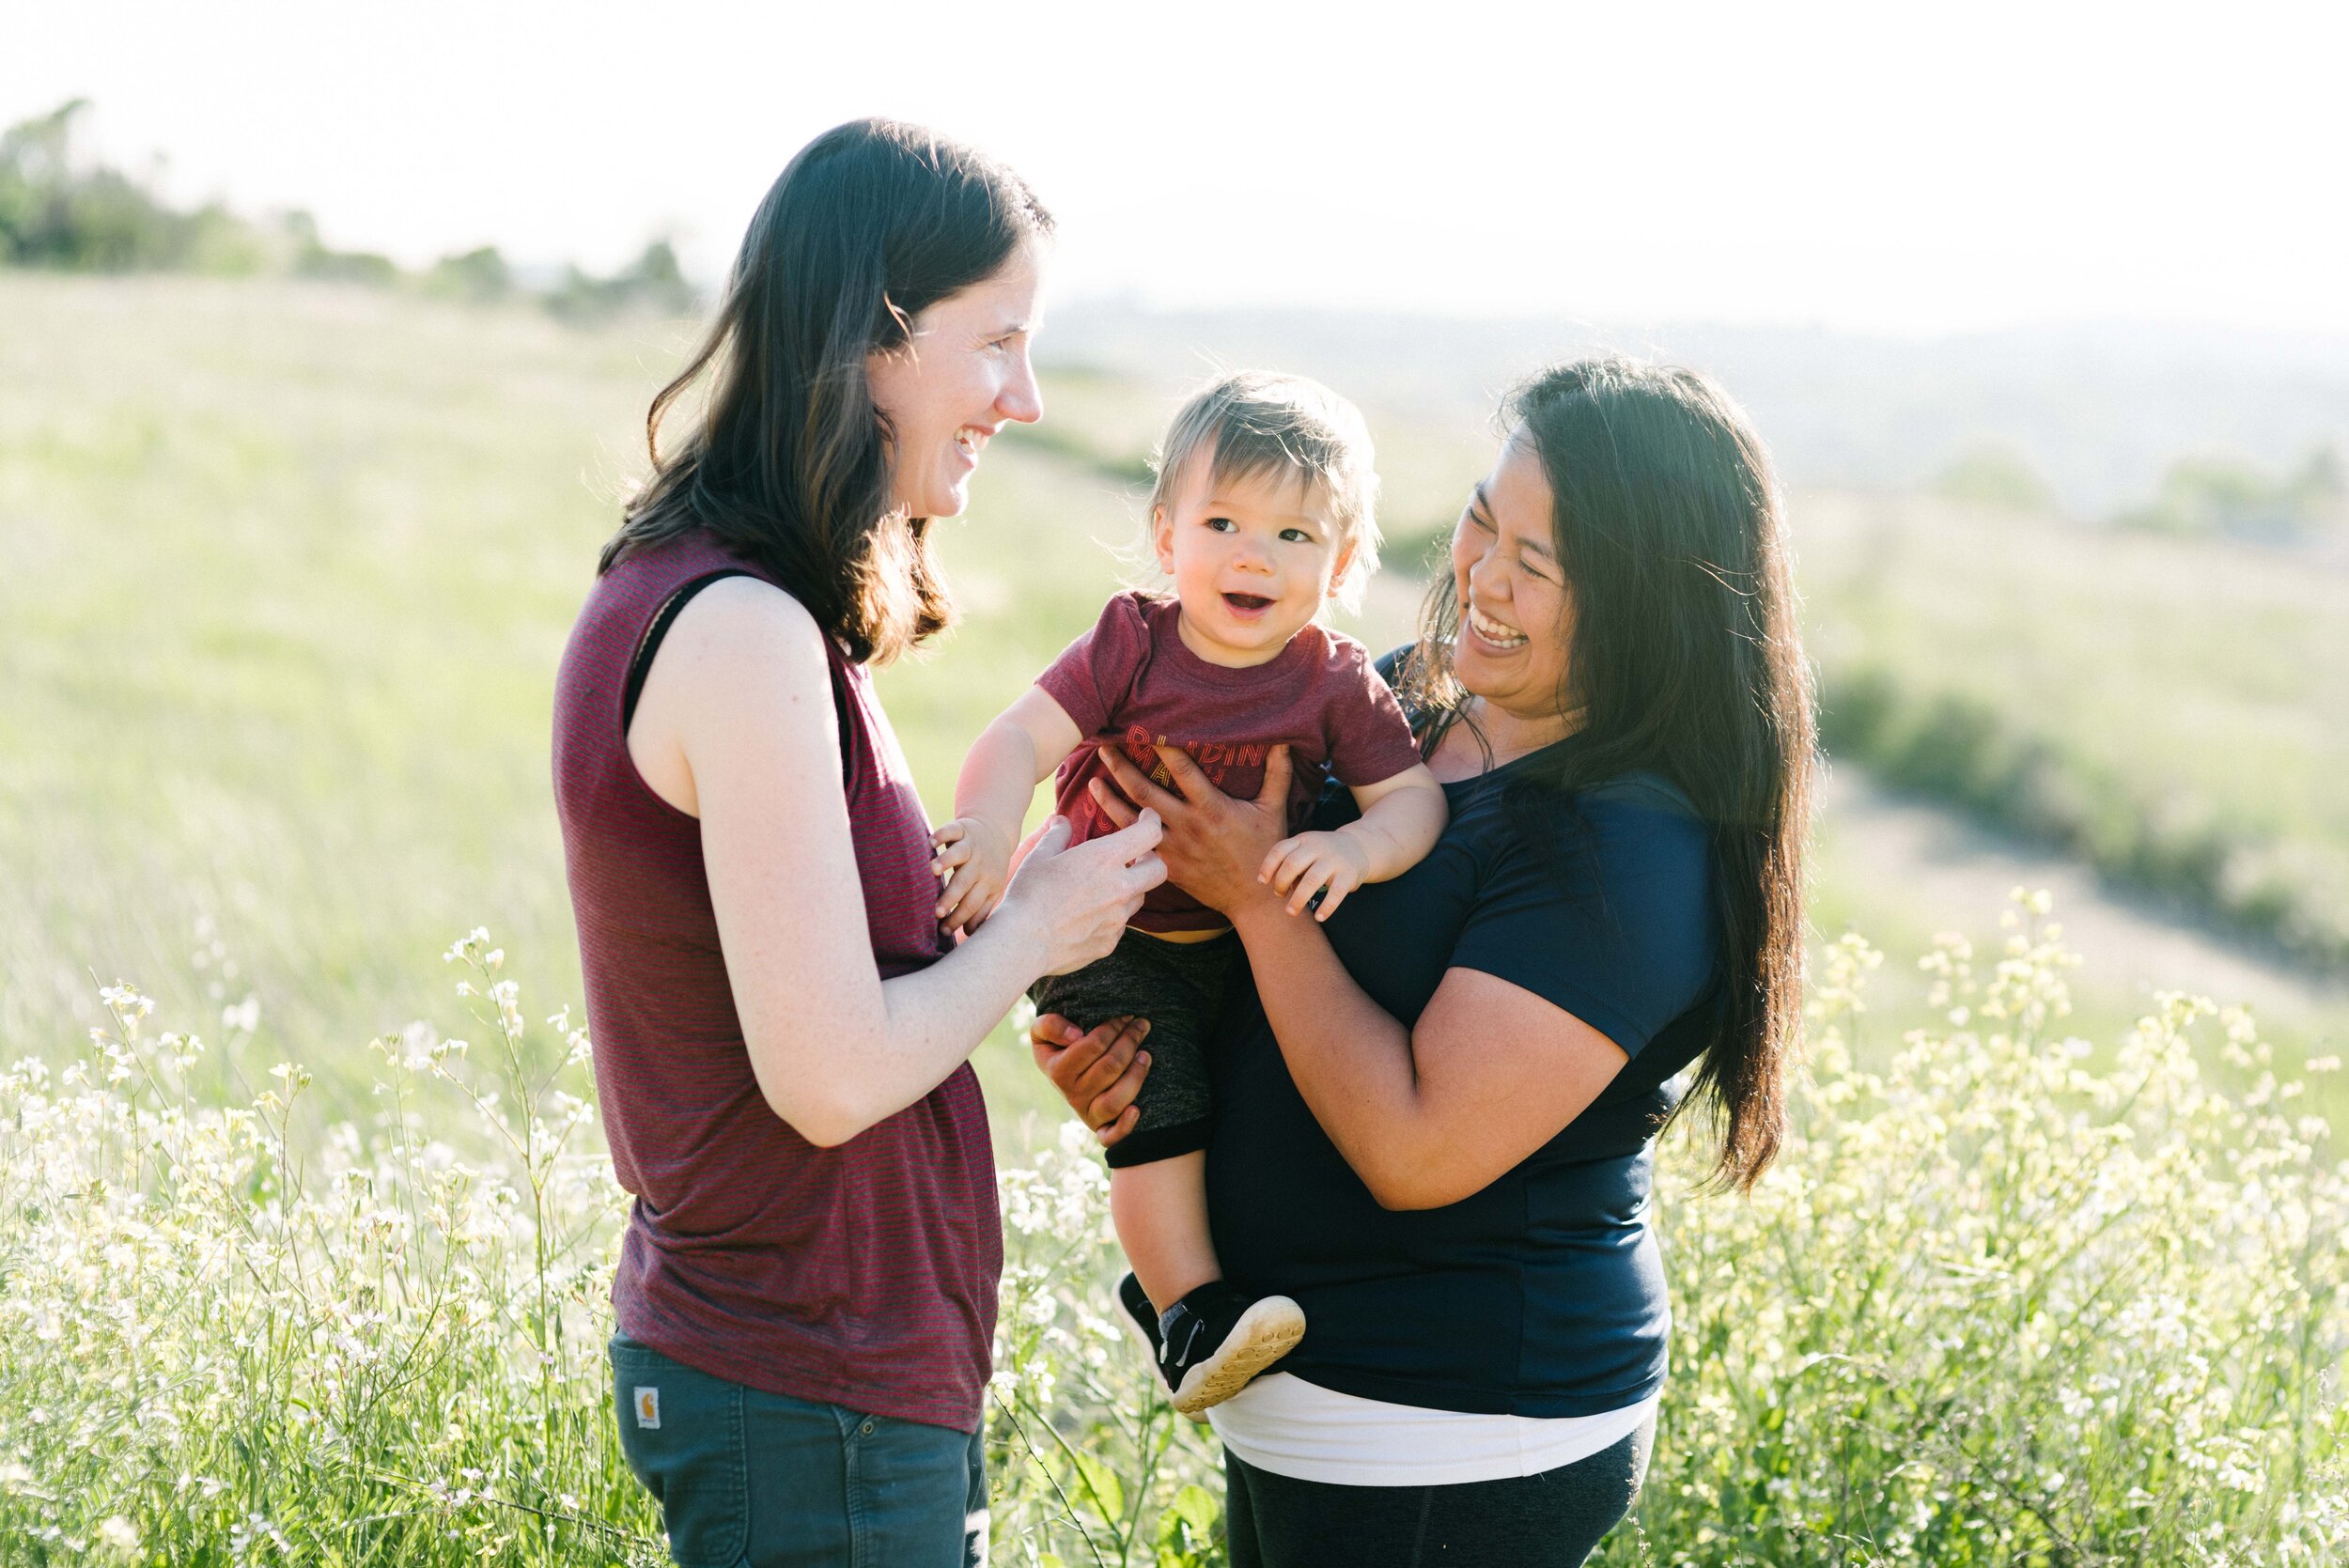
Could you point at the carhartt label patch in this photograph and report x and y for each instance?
(649, 1409)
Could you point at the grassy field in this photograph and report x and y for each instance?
(284, 573)
(2175, 712)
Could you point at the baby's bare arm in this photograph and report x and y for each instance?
(1402, 818)
(1017, 752)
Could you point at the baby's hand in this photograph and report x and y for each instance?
(1331, 864)
(976, 861)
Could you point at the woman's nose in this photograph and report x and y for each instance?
(1485, 575)
(1021, 398)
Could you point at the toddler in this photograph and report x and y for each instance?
(1261, 515)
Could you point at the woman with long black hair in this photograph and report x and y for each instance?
(806, 1291)
(1434, 1129)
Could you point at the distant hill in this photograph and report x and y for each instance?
(2100, 411)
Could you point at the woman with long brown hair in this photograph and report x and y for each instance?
(806, 1291)
(1436, 1130)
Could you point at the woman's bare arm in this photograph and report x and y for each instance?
(736, 720)
(1426, 1116)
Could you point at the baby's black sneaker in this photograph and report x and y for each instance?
(1142, 1317)
(1214, 1341)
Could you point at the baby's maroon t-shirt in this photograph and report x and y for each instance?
(1132, 681)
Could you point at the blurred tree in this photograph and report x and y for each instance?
(314, 258)
(1996, 476)
(653, 283)
(2320, 490)
(2228, 496)
(477, 276)
(658, 282)
(59, 210)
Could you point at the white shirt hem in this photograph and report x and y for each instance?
(1300, 1430)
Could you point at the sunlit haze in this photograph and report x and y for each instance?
(1912, 169)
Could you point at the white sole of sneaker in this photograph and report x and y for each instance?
(1267, 1331)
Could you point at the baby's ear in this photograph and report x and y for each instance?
(1345, 565)
(1162, 539)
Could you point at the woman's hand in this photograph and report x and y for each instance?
(1214, 845)
(1098, 1073)
(1075, 902)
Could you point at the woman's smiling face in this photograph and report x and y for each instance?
(963, 376)
(1517, 610)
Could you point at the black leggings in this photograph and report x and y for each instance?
(1551, 1520)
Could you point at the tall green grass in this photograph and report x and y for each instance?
(2175, 712)
(2013, 1302)
(286, 572)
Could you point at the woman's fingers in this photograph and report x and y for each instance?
(1110, 1067)
(1187, 778)
(1101, 1058)
(1114, 805)
(1052, 839)
(1098, 1071)
(1134, 841)
(1137, 785)
(1123, 1124)
(1278, 769)
(1111, 1104)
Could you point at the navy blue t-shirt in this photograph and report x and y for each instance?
(1543, 1295)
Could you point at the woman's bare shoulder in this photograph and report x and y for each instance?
(745, 626)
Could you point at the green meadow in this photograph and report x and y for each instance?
(286, 570)
(284, 573)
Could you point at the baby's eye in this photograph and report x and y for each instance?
(1297, 536)
(1221, 525)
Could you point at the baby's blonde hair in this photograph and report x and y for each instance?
(1253, 425)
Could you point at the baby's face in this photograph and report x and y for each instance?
(1252, 562)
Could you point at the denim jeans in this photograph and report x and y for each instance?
(753, 1480)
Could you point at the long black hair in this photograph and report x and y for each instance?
(1684, 660)
(871, 224)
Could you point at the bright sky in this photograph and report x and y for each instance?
(1911, 168)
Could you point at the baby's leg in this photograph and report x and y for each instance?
(1158, 1170)
(1161, 1215)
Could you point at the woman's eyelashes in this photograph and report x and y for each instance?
(1535, 567)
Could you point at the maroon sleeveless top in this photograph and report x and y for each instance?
(863, 1274)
